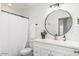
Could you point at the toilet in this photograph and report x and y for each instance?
(26, 52)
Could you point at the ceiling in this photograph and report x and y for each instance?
(21, 6)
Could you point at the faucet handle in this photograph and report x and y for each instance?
(64, 38)
(55, 36)
(76, 51)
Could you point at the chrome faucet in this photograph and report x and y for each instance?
(64, 38)
(55, 36)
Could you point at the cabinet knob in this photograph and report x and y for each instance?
(76, 51)
(50, 54)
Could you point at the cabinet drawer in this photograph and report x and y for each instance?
(64, 50)
(42, 45)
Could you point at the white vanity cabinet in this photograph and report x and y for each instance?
(41, 48)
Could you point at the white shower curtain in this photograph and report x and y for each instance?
(13, 34)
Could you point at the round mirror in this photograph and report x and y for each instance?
(58, 22)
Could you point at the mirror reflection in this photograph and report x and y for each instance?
(58, 22)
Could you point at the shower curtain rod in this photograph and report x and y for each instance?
(15, 14)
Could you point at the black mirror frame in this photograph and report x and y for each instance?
(51, 13)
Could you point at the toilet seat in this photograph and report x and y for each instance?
(26, 51)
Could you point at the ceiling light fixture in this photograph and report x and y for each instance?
(55, 5)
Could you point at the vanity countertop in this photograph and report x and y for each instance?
(69, 44)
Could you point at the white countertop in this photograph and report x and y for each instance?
(69, 44)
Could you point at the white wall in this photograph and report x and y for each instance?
(0, 7)
(38, 14)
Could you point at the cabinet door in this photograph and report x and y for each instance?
(45, 52)
(55, 53)
(36, 51)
